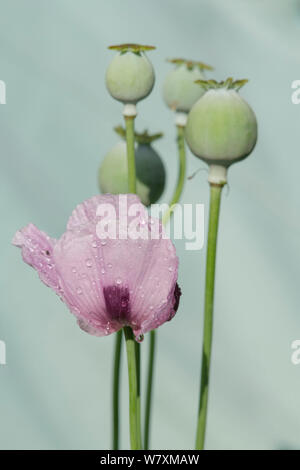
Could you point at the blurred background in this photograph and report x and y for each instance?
(55, 129)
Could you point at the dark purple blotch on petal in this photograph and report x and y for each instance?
(176, 299)
(117, 303)
(177, 295)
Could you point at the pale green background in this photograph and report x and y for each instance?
(54, 130)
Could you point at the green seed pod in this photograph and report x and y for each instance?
(180, 91)
(130, 74)
(221, 127)
(150, 171)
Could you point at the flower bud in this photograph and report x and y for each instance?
(221, 127)
(130, 75)
(180, 91)
(150, 171)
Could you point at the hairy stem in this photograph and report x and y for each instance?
(129, 121)
(149, 387)
(181, 175)
(165, 219)
(116, 381)
(214, 210)
(134, 415)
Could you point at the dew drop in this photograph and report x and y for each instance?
(103, 242)
(139, 338)
(102, 271)
(74, 270)
(118, 281)
(89, 263)
(94, 244)
(79, 291)
(170, 269)
(109, 265)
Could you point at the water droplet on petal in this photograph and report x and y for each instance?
(79, 291)
(103, 242)
(94, 244)
(74, 270)
(102, 271)
(89, 263)
(119, 281)
(170, 269)
(109, 265)
(139, 338)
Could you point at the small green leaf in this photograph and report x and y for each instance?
(139, 137)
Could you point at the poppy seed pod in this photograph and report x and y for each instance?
(150, 171)
(221, 127)
(130, 75)
(180, 91)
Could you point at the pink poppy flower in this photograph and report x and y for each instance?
(108, 283)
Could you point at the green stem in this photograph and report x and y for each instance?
(149, 387)
(138, 374)
(116, 382)
(165, 219)
(129, 121)
(214, 210)
(181, 175)
(135, 425)
(130, 139)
